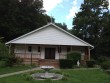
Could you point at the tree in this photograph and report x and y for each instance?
(63, 26)
(103, 47)
(90, 22)
(18, 18)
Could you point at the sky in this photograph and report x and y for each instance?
(63, 10)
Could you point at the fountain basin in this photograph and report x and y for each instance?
(47, 75)
(41, 76)
(47, 68)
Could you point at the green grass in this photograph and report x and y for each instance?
(12, 69)
(71, 76)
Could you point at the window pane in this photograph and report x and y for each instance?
(29, 48)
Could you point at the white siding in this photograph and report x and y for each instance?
(50, 36)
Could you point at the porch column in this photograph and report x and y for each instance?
(9, 48)
(71, 48)
(89, 53)
(25, 51)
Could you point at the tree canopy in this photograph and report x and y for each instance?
(91, 23)
(17, 18)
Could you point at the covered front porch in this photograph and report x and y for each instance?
(47, 54)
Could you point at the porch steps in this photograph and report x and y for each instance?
(48, 62)
(28, 60)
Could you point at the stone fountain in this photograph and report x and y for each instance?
(47, 74)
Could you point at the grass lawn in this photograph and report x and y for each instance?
(12, 69)
(71, 76)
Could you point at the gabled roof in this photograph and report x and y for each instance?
(49, 34)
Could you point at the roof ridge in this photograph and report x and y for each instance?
(54, 26)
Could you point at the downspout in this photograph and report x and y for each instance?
(90, 50)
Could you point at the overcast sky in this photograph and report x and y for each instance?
(63, 10)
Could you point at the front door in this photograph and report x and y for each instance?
(49, 53)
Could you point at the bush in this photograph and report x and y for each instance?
(74, 56)
(64, 78)
(3, 51)
(105, 65)
(27, 77)
(2, 63)
(90, 63)
(11, 60)
(102, 59)
(18, 60)
(66, 63)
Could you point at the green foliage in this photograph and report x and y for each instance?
(108, 71)
(58, 72)
(74, 56)
(21, 17)
(27, 77)
(34, 65)
(92, 25)
(3, 51)
(66, 63)
(64, 78)
(105, 65)
(47, 81)
(76, 76)
(90, 63)
(66, 75)
(63, 26)
(18, 60)
(5, 69)
(2, 63)
(102, 59)
(12, 60)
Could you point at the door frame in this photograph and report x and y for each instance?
(50, 50)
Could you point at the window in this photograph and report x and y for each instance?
(59, 49)
(38, 48)
(68, 49)
(29, 48)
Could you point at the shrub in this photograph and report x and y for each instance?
(90, 63)
(18, 60)
(27, 77)
(108, 71)
(102, 59)
(33, 65)
(64, 78)
(11, 61)
(2, 63)
(105, 65)
(74, 56)
(3, 51)
(66, 63)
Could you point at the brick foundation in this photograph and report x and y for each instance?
(48, 62)
(42, 62)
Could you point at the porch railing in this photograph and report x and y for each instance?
(28, 55)
(62, 56)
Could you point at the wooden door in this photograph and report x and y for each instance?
(49, 53)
